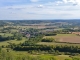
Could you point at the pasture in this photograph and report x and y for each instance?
(11, 41)
(6, 34)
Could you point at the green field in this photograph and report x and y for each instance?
(11, 41)
(6, 34)
(52, 43)
(60, 35)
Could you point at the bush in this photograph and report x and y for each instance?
(48, 40)
(50, 34)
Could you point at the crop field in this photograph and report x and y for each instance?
(71, 38)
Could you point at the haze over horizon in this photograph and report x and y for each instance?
(39, 9)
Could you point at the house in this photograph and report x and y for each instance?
(28, 35)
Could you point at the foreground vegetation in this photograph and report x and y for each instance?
(13, 55)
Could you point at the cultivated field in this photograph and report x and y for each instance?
(72, 38)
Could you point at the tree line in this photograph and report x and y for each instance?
(62, 48)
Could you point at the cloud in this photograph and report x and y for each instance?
(34, 0)
(58, 2)
(50, 10)
(74, 2)
(40, 6)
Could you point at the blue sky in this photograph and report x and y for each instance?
(39, 9)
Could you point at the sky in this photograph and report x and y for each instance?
(39, 9)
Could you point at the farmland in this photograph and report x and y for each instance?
(40, 40)
(71, 38)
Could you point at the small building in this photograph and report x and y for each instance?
(28, 35)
